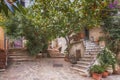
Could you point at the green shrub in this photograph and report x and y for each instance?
(97, 69)
(106, 58)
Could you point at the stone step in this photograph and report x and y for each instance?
(80, 71)
(22, 59)
(17, 49)
(86, 59)
(89, 56)
(19, 56)
(92, 45)
(97, 47)
(83, 62)
(2, 70)
(82, 66)
(89, 42)
(57, 55)
(18, 53)
(92, 48)
(91, 53)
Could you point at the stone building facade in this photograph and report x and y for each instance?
(93, 35)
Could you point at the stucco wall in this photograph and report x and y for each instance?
(62, 43)
(77, 46)
(96, 33)
(1, 38)
(59, 42)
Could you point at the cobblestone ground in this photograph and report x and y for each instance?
(44, 69)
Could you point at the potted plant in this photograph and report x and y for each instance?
(107, 58)
(105, 73)
(97, 71)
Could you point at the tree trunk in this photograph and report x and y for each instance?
(68, 45)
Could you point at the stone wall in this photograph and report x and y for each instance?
(62, 43)
(59, 43)
(77, 46)
(95, 33)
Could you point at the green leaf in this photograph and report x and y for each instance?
(21, 8)
(5, 9)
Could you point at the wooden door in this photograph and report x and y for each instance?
(86, 34)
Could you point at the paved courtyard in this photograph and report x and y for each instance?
(44, 69)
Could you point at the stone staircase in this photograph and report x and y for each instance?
(19, 55)
(89, 58)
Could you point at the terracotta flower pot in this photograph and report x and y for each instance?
(97, 76)
(105, 74)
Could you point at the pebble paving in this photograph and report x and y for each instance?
(44, 69)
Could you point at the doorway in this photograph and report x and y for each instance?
(86, 33)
